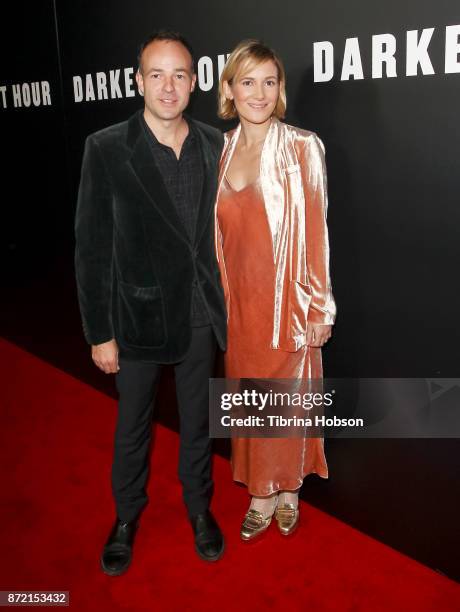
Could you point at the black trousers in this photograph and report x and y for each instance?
(136, 384)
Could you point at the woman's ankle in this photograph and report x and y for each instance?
(288, 497)
(265, 505)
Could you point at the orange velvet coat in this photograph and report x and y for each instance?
(294, 185)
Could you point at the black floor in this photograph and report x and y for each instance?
(404, 493)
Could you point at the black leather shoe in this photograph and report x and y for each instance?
(209, 541)
(117, 553)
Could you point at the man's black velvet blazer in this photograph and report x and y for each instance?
(135, 264)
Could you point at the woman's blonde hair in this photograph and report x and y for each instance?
(246, 55)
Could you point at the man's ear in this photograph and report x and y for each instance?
(140, 82)
(193, 83)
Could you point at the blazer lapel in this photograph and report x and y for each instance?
(270, 177)
(231, 138)
(208, 191)
(273, 182)
(146, 171)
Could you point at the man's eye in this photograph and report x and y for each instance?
(180, 76)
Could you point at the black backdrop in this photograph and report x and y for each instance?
(391, 143)
(393, 152)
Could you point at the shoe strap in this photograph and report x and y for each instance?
(254, 516)
(286, 509)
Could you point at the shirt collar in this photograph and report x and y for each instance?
(191, 136)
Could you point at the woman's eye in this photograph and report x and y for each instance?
(271, 83)
(247, 83)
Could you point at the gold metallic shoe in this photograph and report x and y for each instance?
(254, 523)
(287, 517)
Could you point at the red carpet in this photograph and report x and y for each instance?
(56, 511)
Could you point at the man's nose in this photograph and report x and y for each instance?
(168, 84)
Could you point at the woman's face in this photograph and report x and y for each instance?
(255, 92)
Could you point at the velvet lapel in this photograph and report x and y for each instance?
(208, 191)
(143, 164)
(231, 138)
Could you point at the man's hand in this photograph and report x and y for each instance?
(317, 334)
(105, 356)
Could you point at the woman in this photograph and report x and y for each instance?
(273, 253)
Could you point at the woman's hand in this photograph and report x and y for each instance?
(317, 334)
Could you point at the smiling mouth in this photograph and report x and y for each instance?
(167, 101)
(257, 106)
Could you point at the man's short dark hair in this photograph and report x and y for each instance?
(166, 35)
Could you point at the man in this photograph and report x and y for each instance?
(149, 286)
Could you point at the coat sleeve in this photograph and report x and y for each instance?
(93, 252)
(322, 306)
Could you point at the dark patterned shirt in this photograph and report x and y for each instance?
(183, 179)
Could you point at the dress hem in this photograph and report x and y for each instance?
(279, 488)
